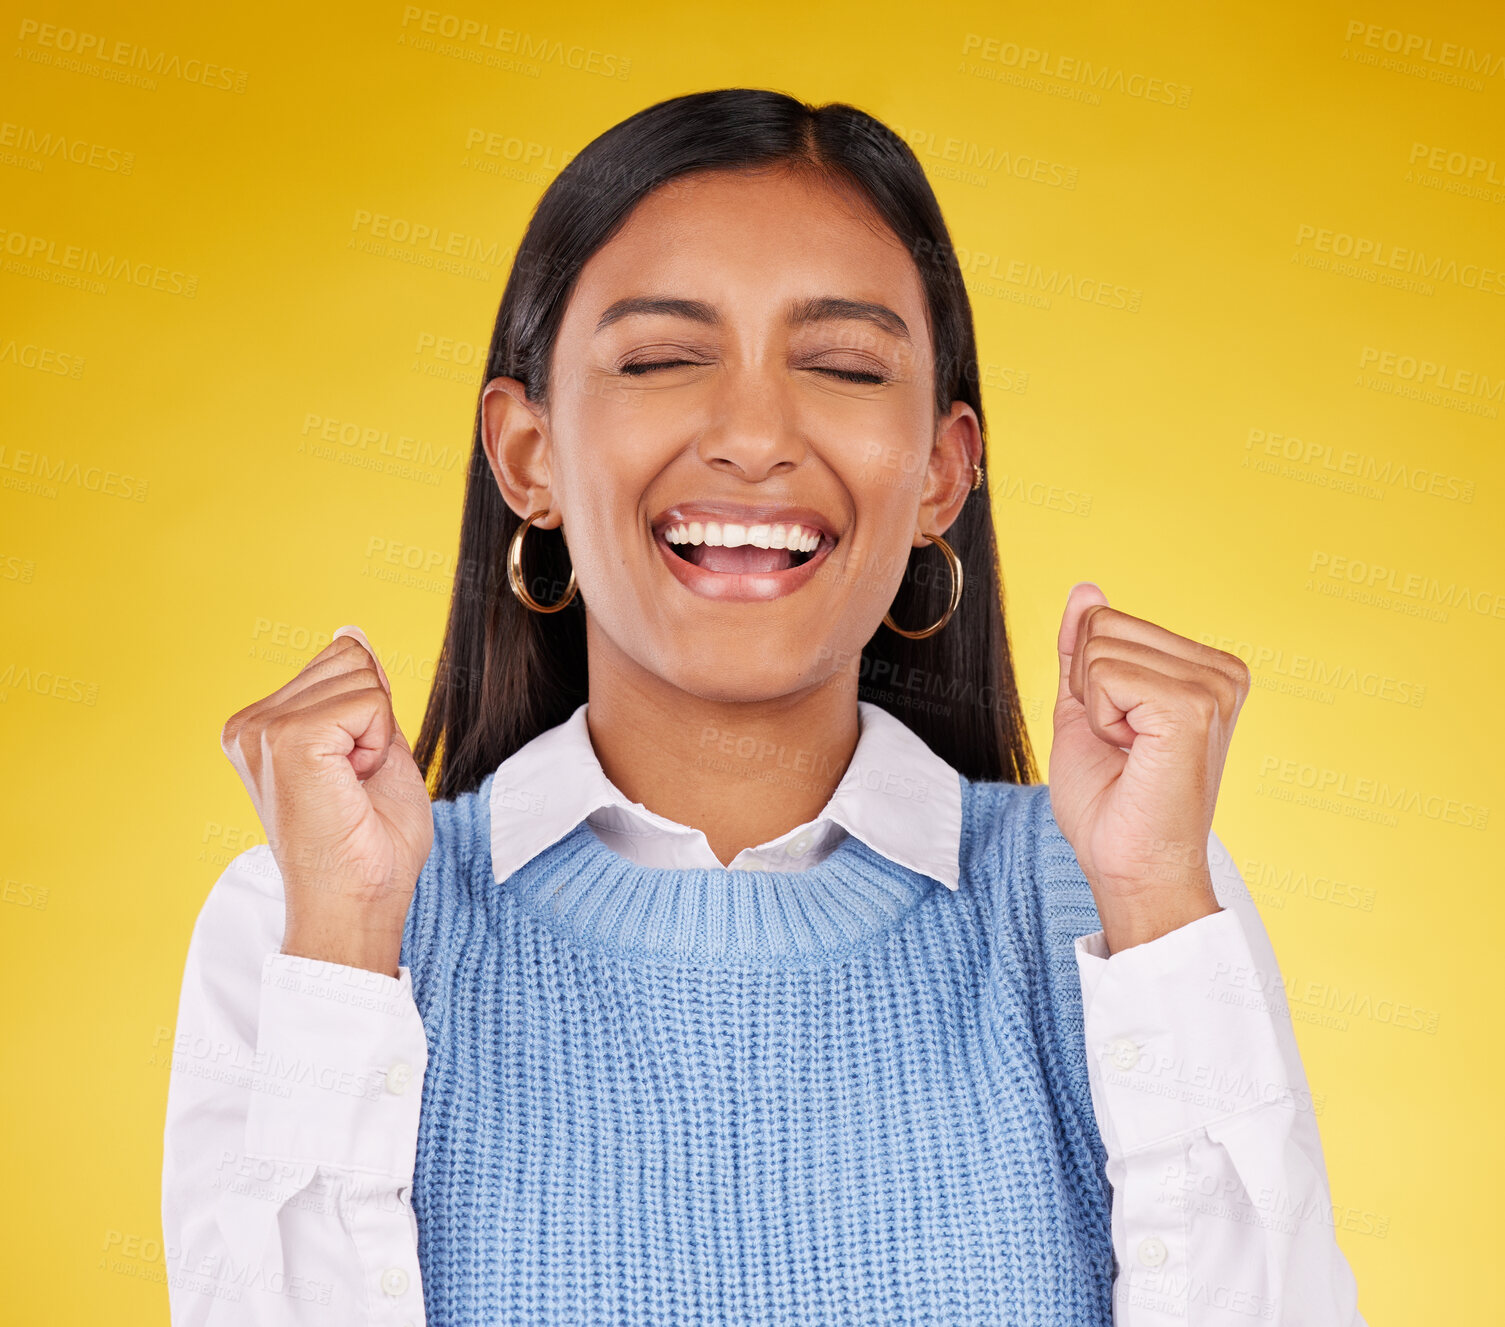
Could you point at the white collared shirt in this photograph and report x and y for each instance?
(549, 786)
(286, 1193)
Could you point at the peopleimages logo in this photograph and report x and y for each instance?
(78, 50)
(1312, 454)
(42, 145)
(1437, 374)
(1377, 253)
(1465, 165)
(27, 471)
(421, 26)
(1416, 46)
(40, 255)
(1025, 59)
(1377, 792)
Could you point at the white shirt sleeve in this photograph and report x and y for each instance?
(1221, 1212)
(291, 1127)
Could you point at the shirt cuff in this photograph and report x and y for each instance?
(341, 1055)
(1181, 1032)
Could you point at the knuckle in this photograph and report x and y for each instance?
(276, 730)
(1232, 690)
(337, 652)
(230, 735)
(357, 654)
(1234, 668)
(1205, 703)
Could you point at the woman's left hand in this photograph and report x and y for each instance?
(1143, 720)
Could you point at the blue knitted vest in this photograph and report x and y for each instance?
(675, 1095)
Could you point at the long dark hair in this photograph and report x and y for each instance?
(506, 673)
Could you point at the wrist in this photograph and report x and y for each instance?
(1141, 918)
(375, 952)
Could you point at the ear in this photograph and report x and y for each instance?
(957, 448)
(515, 434)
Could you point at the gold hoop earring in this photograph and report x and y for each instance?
(515, 570)
(956, 592)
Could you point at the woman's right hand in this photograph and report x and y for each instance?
(344, 805)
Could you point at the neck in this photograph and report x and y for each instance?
(742, 772)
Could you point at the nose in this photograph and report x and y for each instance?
(754, 434)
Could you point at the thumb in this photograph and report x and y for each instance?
(1082, 596)
(399, 770)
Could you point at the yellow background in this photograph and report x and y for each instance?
(197, 541)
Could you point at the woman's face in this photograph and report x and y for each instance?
(749, 351)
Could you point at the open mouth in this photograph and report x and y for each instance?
(741, 550)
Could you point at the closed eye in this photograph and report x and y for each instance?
(657, 364)
(847, 375)
(853, 375)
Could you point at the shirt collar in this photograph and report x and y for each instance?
(896, 795)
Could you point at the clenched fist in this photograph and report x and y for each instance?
(1143, 721)
(343, 803)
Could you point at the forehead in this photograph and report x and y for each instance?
(768, 235)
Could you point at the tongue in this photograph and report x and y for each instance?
(741, 561)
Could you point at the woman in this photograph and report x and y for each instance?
(739, 970)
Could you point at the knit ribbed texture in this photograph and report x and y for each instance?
(677, 1095)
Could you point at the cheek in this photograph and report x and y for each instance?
(885, 499)
(876, 569)
(890, 476)
(606, 523)
(886, 480)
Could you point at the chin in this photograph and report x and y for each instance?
(737, 674)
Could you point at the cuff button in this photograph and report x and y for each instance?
(398, 1077)
(1152, 1251)
(1125, 1053)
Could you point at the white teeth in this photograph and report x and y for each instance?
(800, 538)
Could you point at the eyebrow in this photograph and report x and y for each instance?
(826, 308)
